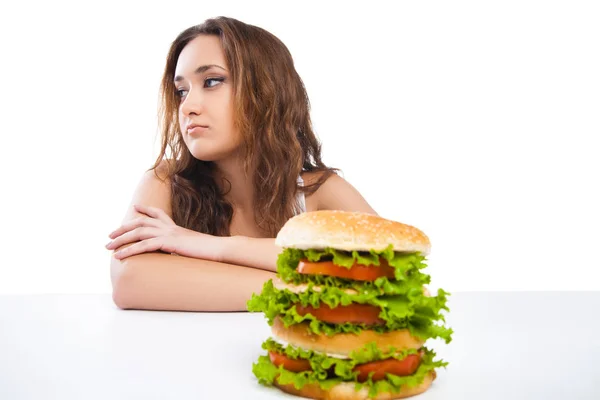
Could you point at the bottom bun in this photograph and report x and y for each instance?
(345, 391)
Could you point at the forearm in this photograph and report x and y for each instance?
(155, 281)
(259, 253)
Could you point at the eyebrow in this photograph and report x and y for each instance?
(199, 70)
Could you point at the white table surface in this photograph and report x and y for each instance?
(511, 345)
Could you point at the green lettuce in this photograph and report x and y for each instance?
(411, 310)
(407, 267)
(320, 362)
(267, 372)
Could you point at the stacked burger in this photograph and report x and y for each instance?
(349, 311)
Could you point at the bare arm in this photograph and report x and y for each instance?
(153, 281)
(165, 282)
(158, 281)
(335, 194)
(259, 253)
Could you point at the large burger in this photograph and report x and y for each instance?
(349, 311)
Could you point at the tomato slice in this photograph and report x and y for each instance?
(353, 313)
(290, 364)
(404, 367)
(357, 272)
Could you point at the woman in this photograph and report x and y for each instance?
(238, 159)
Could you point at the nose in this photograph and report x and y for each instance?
(192, 103)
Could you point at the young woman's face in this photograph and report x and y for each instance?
(203, 85)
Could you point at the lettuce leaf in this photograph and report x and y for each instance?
(348, 258)
(267, 372)
(320, 362)
(411, 310)
(407, 267)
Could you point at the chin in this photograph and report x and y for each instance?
(203, 151)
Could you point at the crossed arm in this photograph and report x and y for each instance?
(208, 273)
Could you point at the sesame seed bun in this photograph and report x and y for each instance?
(343, 230)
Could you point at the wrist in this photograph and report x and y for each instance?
(230, 249)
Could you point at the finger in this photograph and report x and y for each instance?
(132, 236)
(134, 223)
(144, 246)
(153, 212)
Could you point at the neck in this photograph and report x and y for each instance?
(241, 192)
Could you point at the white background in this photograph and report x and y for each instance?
(475, 121)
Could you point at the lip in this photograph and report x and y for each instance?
(195, 128)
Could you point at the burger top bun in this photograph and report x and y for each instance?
(344, 230)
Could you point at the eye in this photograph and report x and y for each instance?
(179, 92)
(208, 80)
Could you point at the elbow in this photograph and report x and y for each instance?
(121, 276)
(120, 298)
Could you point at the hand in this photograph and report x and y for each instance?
(155, 231)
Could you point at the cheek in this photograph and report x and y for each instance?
(180, 120)
(227, 115)
(182, 135)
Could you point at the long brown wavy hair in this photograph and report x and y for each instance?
(271, 110)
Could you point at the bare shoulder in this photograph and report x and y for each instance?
(336, 193)
(153, 189)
